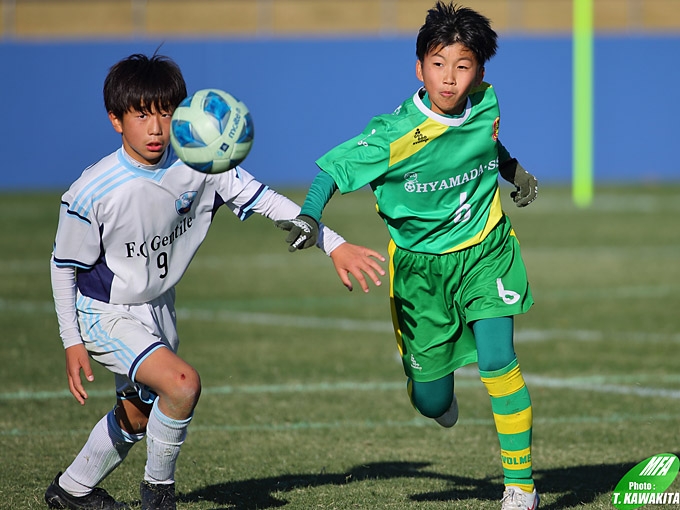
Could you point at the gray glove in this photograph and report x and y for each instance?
(303, 232)
(526, 184)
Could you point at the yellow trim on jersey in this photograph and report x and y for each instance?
(516, 460)
(416, 139)
(495, 215)
(504, 385)
(391, 248)
(515, 423)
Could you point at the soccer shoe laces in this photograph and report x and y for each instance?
(515, 498)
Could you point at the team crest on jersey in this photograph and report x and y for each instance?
(411, 183)
(496, 125)
(184, 202)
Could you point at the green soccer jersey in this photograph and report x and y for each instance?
(435, 177)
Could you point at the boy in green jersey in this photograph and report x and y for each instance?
(456, 273)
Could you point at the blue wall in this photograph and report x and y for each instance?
(308, 95)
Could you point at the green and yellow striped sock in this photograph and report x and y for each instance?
(511, 406)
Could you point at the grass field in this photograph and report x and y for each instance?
(304, 403)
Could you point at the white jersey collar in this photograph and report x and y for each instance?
(136, 164)
(442, 119)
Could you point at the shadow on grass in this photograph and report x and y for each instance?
(566, 487)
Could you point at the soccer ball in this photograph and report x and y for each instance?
(211, 131)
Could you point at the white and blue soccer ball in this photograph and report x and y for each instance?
(212, 131)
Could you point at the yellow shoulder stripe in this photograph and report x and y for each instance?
(416, 139)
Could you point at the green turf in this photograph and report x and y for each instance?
(304, 405)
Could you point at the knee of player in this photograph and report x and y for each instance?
(430, 404)
(183, 389)
(189, 385)
(432, 399)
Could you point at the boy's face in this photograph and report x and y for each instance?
(448, 74)
(145, 135)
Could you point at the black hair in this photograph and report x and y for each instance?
(142, 83)
(447, 24)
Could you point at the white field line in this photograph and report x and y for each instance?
(280, 320)
(420, 421)
(465, 378)
(371, 326)
(416, 421)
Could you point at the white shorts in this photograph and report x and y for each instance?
(120, 337)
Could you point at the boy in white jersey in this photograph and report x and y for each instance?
(456, 273)
(128, 229)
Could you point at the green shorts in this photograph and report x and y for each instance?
(435, 298)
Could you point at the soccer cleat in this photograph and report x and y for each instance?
(98, 499)
(450, 417)
(157, 496)
(515, 498)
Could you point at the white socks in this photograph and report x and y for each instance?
(108, 445)
(104, 450)
(164, 436)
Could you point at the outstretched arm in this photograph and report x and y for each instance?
(357, 260)
(348, 259)
(303, 231)
(77, 359)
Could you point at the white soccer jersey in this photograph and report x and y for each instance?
(131, 231)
